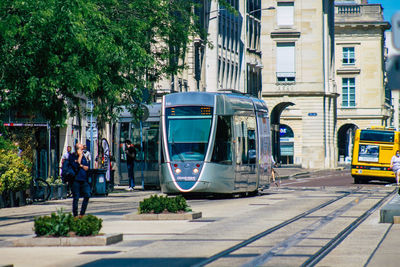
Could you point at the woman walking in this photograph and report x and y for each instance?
(395, 165)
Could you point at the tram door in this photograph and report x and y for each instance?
(264, 148)
(245, 152)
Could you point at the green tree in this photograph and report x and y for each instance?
(55, 53)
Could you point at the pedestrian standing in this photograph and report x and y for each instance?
(65, 157)
(273, 164)
(80, 185)
(87, 155)
(395, 165)
(130, 152)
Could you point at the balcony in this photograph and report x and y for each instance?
(348, 13)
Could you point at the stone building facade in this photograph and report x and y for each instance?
(393, 77)
(297, 41)
(233, 60)
(364, 99)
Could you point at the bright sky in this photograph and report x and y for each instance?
(389, 7)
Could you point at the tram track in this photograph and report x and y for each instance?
(292, 240)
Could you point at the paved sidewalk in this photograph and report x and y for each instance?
(286, 172)
(18, 222)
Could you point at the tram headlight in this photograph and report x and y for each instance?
(195, 171)
(178, 171)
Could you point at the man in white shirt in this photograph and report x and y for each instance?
(65, 157)
(86, 153)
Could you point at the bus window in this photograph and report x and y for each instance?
(377, 136)
(223, 141)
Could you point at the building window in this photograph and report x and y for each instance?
(180, 85)
(285, 62)
(348, 92)
(285, 13)
(348, 56)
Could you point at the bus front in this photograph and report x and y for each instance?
(372, 153)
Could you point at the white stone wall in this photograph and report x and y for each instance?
(312, 117)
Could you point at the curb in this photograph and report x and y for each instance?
(33, 241)
(390, 210)
(162, 216)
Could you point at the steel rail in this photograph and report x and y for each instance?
(270, 230)
(334, 242)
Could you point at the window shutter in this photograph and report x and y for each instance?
(285, 13)
(285, 59)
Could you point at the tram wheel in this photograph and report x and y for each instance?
(357, 180)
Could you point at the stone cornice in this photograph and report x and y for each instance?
(348, 71)
(285, 34)
(363, 24)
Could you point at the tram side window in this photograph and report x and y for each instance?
(245, 134)
(240, 127)
(223, 141)
(150, 144)
(124, 135)
(251, 140)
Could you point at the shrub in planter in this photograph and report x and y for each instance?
(87, 226)
(159, 204)
(57, 224)
(63, 224)
(14, 170)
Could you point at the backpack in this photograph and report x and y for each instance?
(68, 172)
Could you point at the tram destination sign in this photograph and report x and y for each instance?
(189, 111)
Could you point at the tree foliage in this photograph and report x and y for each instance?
(56, 53)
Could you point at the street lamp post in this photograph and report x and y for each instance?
(90, 106)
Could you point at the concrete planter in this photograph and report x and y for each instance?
(162, 216)
(20, 198)
(12, 199)
(58, 191)
(100, 240)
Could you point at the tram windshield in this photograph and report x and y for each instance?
(188, 131)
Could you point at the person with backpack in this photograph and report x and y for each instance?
(65, 175)
(80, 184)
(64, 158)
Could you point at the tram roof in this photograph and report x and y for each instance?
(226, 102)
(154, 113)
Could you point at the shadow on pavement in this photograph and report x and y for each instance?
(145, 262)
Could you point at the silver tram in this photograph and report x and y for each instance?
(214, 143)
(145, 136)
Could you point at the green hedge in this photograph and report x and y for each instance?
(64, 224)
(159, 204)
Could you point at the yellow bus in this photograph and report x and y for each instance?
(372, 152)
